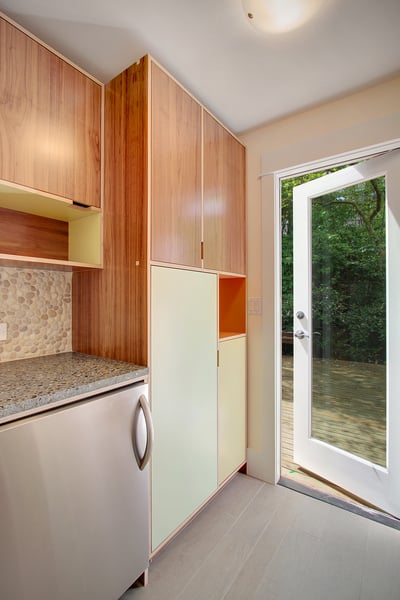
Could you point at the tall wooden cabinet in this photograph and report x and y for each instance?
(176, 186)
(173, 283)
(197, 183)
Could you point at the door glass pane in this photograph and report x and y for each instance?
(349, 320)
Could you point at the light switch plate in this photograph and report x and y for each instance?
(3, 332)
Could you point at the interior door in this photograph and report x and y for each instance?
(347, 329)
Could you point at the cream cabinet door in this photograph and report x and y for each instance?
(183, 383)
(231, 406)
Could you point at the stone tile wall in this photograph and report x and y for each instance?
(37, 307)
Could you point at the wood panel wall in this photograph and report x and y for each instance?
(30, 235)
(110, 306)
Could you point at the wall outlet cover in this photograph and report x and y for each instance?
(254, 306)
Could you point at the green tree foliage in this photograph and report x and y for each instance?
(348, 259)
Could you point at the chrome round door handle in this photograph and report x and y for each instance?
(300, 334)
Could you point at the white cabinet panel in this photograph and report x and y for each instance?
(183, 395)
(231, 406)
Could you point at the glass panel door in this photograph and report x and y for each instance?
(346, 348)
(348, 263)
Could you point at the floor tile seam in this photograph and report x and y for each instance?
(227, 532)
(252, 550)
(358, 570)
(369, 546)
(252, 498)
(244, 509)
(277, 549)
(240, 514)
(289, 525)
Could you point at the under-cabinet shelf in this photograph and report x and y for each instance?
(46, 232)
(29, 262)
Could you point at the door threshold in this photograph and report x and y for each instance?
(358, 509)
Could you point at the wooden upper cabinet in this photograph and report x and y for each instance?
(175, 172)
(224, 199)
(50, 121)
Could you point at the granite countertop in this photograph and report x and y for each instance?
(32, 384)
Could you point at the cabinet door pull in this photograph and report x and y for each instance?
(144, 409)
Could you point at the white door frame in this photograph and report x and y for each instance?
(300, 169)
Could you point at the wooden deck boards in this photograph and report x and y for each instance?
(349, 411)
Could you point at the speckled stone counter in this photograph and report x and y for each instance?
(33, 384)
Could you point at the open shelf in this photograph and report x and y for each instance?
(31, 262)
(232, 306)
(45, 232)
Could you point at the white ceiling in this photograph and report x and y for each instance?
(244, 77)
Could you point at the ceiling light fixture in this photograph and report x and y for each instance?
(279, 16)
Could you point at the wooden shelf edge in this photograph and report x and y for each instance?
(229, 335)
(159, 263)
(14, 260)
(226, 275)
(221, 274)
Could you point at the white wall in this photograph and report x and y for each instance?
(362, 119)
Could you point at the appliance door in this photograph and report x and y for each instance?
(74, 499)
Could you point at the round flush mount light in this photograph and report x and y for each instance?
(279, 16)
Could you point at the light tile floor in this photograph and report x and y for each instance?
(255, 541)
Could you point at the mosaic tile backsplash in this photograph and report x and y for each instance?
(37, 307)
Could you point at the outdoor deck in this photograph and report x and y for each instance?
(349, 410)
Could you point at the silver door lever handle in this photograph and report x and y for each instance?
(301, 334)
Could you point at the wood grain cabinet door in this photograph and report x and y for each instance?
(50, 120)
(224, 199)
(175, 173)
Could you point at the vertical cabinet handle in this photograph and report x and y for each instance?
(143, 412)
